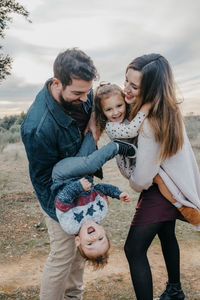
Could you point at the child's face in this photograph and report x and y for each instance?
(114, 108)
(92, 239)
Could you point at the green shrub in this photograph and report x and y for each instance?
(192, 126)
(8, 137)
(13, 137)
(10, 130)
(2, 129)
(3, 141)
(8, 121)
(15, 128)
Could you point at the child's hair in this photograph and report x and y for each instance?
(97, 262)
(105, 91)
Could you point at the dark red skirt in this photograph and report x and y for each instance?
(153, 207)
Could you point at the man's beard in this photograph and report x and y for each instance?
(69, 105)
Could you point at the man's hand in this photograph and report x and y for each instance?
(106, 198)
(93, 128)
(124, 197)
(85, 184)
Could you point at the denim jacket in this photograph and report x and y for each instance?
(49, 135)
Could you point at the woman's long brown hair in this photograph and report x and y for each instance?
(157, 87)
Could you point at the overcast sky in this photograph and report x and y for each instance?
(112, 32)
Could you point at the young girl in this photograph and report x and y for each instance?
(111, 109)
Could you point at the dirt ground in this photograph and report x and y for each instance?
(22, 271)
(26, 271)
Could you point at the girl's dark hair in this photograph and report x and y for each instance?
(158, 87)
(104, 91)
(74, 64)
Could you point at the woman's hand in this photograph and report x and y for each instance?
(124, 197)
(85, 184)
(146, 108)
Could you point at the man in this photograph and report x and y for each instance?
(53, 130)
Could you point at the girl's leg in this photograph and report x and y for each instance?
(88, 146)
(80, 165)
(170, 250)
(138, 241)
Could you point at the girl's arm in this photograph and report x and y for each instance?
(121, 130)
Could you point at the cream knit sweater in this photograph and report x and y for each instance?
(180, 172)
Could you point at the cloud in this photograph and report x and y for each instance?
(15, 89)
(112, 32)
(16, 95)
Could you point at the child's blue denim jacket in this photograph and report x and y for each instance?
(49, 135)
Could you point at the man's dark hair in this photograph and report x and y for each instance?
(74, 64)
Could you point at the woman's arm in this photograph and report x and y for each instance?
(147, 164)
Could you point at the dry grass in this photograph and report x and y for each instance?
(22, 229)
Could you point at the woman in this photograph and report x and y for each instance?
(162, 143)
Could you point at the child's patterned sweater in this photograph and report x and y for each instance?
(74, 206)
(125, 131)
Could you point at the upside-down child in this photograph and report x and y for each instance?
(80, 204)
(111, 115)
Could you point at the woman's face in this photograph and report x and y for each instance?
(132, 86)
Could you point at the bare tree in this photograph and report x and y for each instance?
(6, 8)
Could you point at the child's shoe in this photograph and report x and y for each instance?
(126, 149)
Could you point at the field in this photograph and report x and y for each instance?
(24, 243)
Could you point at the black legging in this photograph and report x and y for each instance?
(138, 241)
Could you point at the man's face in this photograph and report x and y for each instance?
(76, 92)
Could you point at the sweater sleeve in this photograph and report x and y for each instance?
(108, 190)
(147, 164)
(70, 192)
(122, 130)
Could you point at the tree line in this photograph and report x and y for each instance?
(10, 129)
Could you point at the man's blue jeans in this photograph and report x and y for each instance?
(87, 161)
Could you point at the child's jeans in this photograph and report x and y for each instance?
(87, 161)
